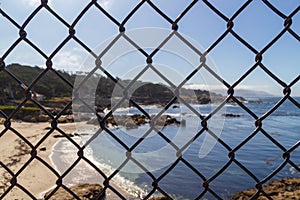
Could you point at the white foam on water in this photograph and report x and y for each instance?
(66, 153)
(127, 185)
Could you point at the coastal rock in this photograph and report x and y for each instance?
(242, 99)
(166, 120)
(43, 118)
(66, 119)
(35, 118)
(84, 191)
(29, 118)
(230, 115)
(133, 121)
(286, 188)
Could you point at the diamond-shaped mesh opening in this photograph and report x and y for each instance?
(37, 180)
(12, 32)
(24, 10)
(24, 54)
(16, 191)
(75, 175)
(61, 152)
(233, 135)
(228, 190)
(277, 127)
(205, 34)
(263, 160)
(94, 24)
(250, 83)
(189, 181)
(288, 62)
(37, 37)
(229, 47)
(194, 155)
(15, 150)
(69, 15)
(155, 18)
(246, 24)
(70, 58)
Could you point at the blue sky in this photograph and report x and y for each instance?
(257, 24)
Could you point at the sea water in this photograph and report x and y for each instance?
(206, 151)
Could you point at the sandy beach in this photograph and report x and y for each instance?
(36, 177)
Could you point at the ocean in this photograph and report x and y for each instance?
(205, 153)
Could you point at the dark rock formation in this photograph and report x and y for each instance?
(84, 191)
(43, 149)
(133, 121)
(230, 115)
(61, 135)
(287, 188)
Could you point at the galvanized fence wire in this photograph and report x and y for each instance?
(174, 25)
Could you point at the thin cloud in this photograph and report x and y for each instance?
(71, 60)
(34, 3)
(106, 4)
(204, 87)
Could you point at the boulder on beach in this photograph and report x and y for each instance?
(84, 191)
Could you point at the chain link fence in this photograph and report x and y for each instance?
(232, 151)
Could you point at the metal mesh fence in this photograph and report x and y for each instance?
(32, 151)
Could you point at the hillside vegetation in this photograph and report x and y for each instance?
(52, 87)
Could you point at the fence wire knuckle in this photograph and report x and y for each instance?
(72, 29)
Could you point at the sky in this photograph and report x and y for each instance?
(257, 24)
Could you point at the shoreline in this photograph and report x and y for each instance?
(64, 154)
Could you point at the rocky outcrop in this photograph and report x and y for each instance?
(286, 188)
(46, 118)
(133, 121)
(84, 191)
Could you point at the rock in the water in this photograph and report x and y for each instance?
(134, 121)
(84, 191)
(287, 188)
(230, 115)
